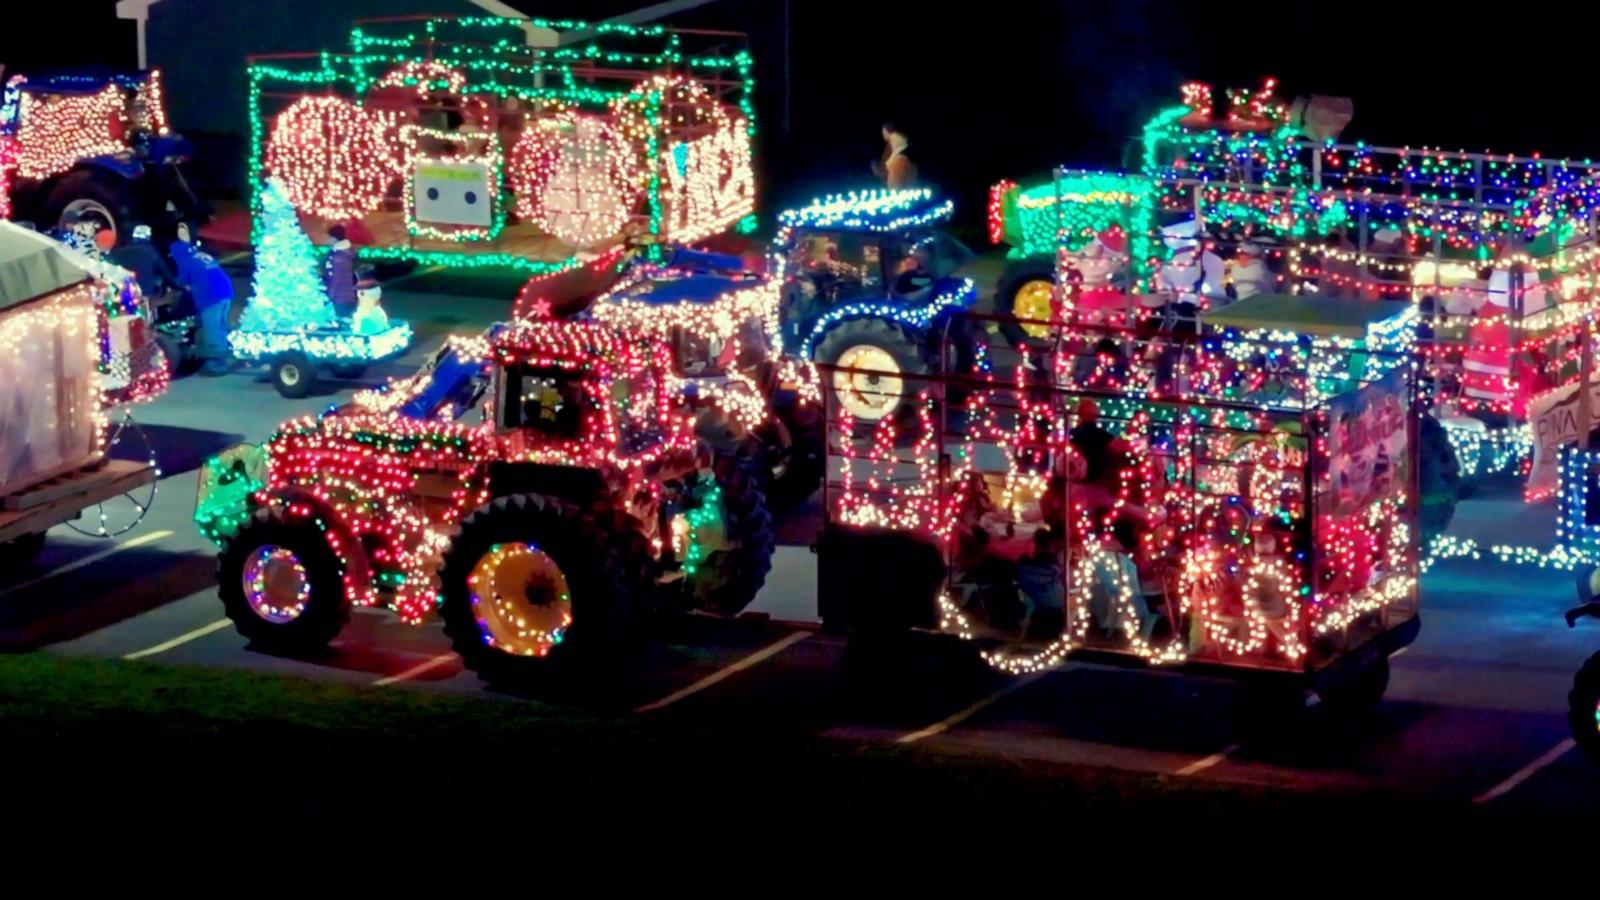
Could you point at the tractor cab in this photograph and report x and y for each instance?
(874, 247)
(578, 393)
(713, 310)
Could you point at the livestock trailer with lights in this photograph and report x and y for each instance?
(1242, 504)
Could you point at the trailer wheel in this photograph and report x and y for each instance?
(293, 374)
(281, 583)
(1025, 291)
(728, 577)
(172, 351)
(1584, 709)
(533, 587)
(96, 196)
(886, 356)
(1438, 478)
(19, 552)
(1359, 693)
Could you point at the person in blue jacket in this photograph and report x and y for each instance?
(212, 291)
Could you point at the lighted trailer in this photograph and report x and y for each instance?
(529, 143)
(1245, 505)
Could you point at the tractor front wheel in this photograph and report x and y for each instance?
(281, 583)
(729, 534)
(1584, 709)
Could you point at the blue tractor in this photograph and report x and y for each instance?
(869, 283)
(95, 148)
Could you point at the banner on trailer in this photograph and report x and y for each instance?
(1553, 417)
(1366, 447)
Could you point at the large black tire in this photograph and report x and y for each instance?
(856, 394)
(1584, 709)
(1018, 275)
(607, 576)
(326, 609)
(99, 195)
(794, 454)
(1438, 478)
(728, 579)
(293, 374)
(172, 350)
(1360, 692)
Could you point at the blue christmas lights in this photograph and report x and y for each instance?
(918, 317)
(881, 210)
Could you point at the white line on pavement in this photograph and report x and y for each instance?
(1527, 771)
(726, 672)
(945, 724)
(1200, 765)
(91, 558)
(415, 670)
(181, 639)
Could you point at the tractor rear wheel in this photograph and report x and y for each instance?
(535, 588)
(881, 363)
(1024, 299)
(93, 196)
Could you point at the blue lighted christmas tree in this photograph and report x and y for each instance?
(287, 292)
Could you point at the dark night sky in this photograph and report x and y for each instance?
(1018, 85)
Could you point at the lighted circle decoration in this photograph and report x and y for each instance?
(707, 182)
(425, 76)
(331, 156)
(575, 177)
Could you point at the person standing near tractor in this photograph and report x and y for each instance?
(212, 291)
(895, 167)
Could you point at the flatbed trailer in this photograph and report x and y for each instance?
(27, 514)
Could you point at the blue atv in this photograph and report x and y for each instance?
(129, 175)
(869, 285)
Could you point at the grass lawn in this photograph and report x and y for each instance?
(229, 741)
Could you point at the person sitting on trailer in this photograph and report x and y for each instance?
(1102, 453)
(1041, 583)
(212, 292)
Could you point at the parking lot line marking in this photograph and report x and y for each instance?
(947, 723)
(726, 672)
(1527, 771)
(415, 670)
(1200, 765)
(181, 639)
(91, 558)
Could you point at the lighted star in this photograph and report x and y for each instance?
(539, 309)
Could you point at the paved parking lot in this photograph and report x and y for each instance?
(1473, 714)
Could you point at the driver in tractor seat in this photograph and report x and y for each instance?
(915, 275)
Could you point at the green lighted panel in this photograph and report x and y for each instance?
(488, 61)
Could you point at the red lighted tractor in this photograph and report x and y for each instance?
(552, 530)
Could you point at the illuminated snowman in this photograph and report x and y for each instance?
(369, 316)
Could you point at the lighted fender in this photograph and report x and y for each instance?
(919, 318)
(345, 543)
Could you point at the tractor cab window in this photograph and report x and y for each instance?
(831, 265)
(545, 400)
(635, 401)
